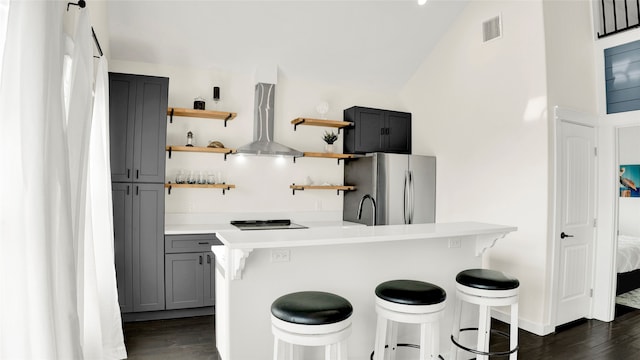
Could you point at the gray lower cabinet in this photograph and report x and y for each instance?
(189, 271)
(123, 243)
(138, 214)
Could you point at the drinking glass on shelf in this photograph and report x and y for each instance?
(202, 178)
(181, 177)
(211, 178)
(219, 177)
(191, 178)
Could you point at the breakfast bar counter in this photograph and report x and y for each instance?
(253, 268)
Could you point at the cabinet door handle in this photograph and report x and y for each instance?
(128, 173)
(127, 189)
(203, 243)
(200, 259)
(388, 131)
(208, 259)
(381, 131)
(137, 190)
(137, 174)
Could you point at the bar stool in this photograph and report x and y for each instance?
(411, 302)
(311, 318)
(486, 288)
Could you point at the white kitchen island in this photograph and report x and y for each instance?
(253, 268)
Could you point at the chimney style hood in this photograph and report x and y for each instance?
(263, 143)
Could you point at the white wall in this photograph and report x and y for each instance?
(608, 179)
(262, 182)
(570, 85)
(481, 109)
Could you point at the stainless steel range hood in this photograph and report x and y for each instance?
(263, 143)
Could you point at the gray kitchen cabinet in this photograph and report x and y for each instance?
(189, 271)
(137, 125)
(122, 245)
(138, 214)
(377, 130)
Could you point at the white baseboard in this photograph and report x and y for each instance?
(532, 327)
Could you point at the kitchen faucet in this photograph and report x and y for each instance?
(373, 203)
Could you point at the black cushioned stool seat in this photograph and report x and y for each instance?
(408, 302)
(487, 279)
(410, 292)
(311, 318)
(311, 308)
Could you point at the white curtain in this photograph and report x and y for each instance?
(38, 305)
(108, 336)
(58, 297)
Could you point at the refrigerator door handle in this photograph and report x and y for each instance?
(411, 197)
(405, 209)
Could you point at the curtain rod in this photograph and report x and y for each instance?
(82, 4)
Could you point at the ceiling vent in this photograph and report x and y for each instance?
(492, 29)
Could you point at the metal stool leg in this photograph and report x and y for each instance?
(457, 315)
(328, 350)
(484, 324)
(393, 340)
(342, 350)
(513, 343)
(381, 338)
(275, 348)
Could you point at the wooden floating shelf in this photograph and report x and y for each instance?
(338, 188)
(319, 122)
(207, 114)
(224, 187)
(327, 156)
(225, 151)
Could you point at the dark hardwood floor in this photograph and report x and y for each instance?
(193, 338)
(185, 338)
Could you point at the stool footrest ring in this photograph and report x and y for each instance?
(488, 353)
(404, 345)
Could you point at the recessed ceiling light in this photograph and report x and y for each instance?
(422, 2)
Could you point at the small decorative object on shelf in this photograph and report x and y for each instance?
(215, 144)
(189, 139)
(198, 103)
(329, 138)
(322, 108)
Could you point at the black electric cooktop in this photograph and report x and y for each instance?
(266, 224)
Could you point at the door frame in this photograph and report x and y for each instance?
(562, 114)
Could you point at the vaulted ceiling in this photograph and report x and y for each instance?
(378, 44)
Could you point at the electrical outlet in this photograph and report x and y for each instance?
(454, 242)
(280, 255)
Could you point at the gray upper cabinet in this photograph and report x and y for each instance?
(377, 130)
(137, 125)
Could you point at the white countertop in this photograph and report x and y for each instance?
(179, 229)
(335, 235)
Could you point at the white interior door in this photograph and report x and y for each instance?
(575, 231)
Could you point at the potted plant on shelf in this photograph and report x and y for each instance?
(329, 138)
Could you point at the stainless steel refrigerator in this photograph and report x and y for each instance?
(402, 187)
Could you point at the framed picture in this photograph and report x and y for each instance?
(629, 180)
